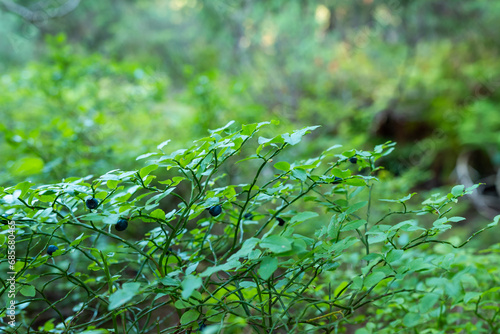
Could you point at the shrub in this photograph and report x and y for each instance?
(296, 247)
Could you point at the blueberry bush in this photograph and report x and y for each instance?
(286, 247)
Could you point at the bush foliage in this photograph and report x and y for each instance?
(299, 246)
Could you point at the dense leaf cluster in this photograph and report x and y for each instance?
(299, 246)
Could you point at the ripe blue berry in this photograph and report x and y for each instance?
(281, 221)
(91, 203)
(121, 225)
(51, 249)
(248, 216)
(353, 160)
(215, 210)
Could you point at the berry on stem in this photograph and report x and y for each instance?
(121, 225)
(281, 221)
(51, 249)
(353, 160)
(248, 216)
(202, 327)
(91, 203)
(215, 210)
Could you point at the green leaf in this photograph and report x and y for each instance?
(374, 278)
(418, 264)
(111, 219)
(357, 283)
(158, 213)
(123, 295)
(28, 291)
(263, 141)
(333, 147)
(24, 186)
(189, 316)
(427, 302)
(223, 267)
(471, 295)
(112, 184)
(189, 284)
(371, 256)
(160, 147)
(169, 281)
(245, 249)
(215, 315)
(401, 200)
(357, 182)
(268, 266)
(495, 221)
(146, 170)
(394, 255)
(299, 246)
(300, 174)
(276, 244)
(303, 216)
(376, 238)
(297, 135)
(79, 239)
(456, 219)
(341, 173)
(146, 155)
(492, 290)
(191, 267)
(440, 224)
(248, 129)
(282, 165)
(219, 130)
(343, 244)
(92, 216)
(180, 304)
(340, 288)
(457, 190)
(411, 319)
(470, 189)
(352, 225)
(49, 326)
(355, 207)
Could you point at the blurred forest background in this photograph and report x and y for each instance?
(87, 86)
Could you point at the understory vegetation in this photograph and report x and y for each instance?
(185, 166)
(291, 246)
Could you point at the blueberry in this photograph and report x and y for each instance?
(281, 221)
(248, 216)
(51, 249)
(121, 225)
(337, 179)
(353, 160)
(91, 203)
(215, 210)
(202, 327)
